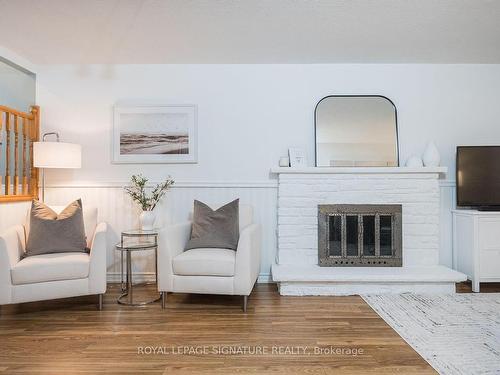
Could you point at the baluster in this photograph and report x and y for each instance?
(32, 171)
(7, 154)
(25, 166)
(16, 154)
(1, 142)
(18, 131)
(34, 134)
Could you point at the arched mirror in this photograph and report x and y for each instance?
(356, 131)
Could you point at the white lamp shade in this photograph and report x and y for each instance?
(57, 155)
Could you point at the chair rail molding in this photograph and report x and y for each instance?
(178, 184)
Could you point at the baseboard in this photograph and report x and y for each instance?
(265, 278)
(114, 277)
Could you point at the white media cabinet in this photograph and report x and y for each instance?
(476, 245)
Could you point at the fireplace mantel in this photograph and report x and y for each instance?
(360, 170)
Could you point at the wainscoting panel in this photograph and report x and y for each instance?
(448, 203)
(12, 214)
(121, 213)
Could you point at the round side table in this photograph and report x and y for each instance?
(136, 240)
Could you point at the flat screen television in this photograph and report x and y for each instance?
(478, 177)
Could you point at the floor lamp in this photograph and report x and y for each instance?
(55, 155)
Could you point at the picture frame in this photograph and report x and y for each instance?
(298, 158)
(155, 134)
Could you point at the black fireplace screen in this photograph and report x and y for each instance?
(359, 235)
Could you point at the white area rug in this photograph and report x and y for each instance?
(456, 334)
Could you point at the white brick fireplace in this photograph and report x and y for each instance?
(300, 191)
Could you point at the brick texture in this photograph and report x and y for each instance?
(300, 194)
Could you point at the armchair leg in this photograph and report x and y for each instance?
(163, 300)
(245, 301)
(100, 301)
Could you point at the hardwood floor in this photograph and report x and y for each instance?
(466, 287)
(72, 337)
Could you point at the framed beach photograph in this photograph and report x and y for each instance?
(155, 134)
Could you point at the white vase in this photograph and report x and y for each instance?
(431, 157)
(147, 219)
(414, 161)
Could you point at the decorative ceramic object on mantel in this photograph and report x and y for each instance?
(297, 157)
(431, 157)
(284, 161)
(138, 193)
(414, 161)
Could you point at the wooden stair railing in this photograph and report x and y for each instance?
(18, 177)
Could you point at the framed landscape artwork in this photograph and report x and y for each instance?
(155, 134)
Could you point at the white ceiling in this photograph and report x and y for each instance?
(252, 31)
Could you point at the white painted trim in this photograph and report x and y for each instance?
(265, 278)
(114, 277)
(178, 184)
(17, 59)
(269, 184)
(359, 170)
(473, 212)
(448, 183)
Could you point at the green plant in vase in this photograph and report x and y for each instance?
(147, 198)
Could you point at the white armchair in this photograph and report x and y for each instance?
(209, 271)
(51, 276)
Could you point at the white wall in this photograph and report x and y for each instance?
(17, 90)
(248, 116)
(17, 86)
(253, 113)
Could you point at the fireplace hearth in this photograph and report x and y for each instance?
(360, 235)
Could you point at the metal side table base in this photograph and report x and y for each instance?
(128, 288)
(127, 298)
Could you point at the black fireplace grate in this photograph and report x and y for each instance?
(358, 235)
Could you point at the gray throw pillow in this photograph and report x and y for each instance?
(53, 233)
(219, 228)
